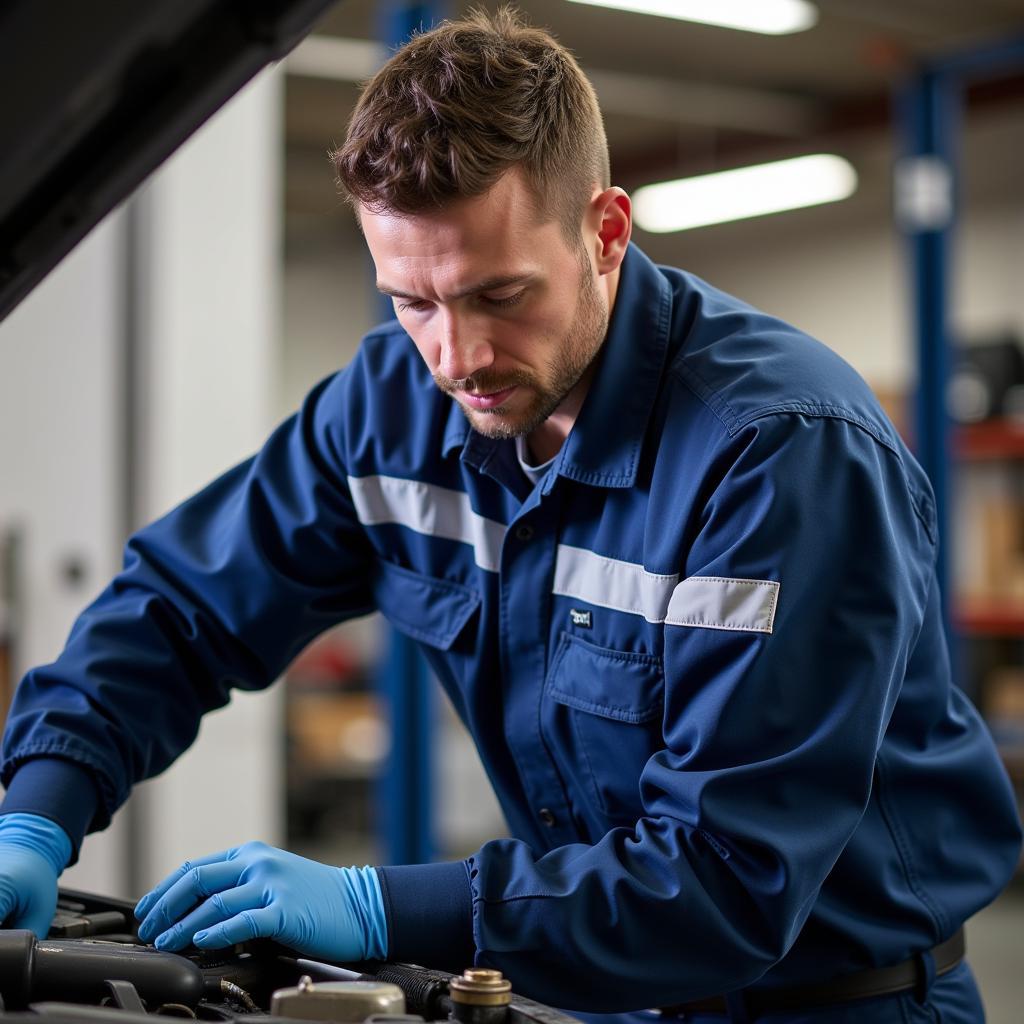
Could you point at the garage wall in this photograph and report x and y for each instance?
(209, 301)
(201, 248)
(61, 468)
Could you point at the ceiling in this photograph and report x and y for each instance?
(682, 98)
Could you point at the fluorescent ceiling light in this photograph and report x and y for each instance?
(772, 17)
(744, 192)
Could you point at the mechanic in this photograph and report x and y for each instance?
(668, 558)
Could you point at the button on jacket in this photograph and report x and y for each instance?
(702, 657)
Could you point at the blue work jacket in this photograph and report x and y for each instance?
(702, 658)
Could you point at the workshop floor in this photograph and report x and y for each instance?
(995, 946)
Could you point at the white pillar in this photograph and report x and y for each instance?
(200, 252)
(62, 466)
(209, 242)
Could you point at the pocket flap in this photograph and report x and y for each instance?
(614, 684)
(423, 607)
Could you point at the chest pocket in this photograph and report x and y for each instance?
(431, 610)
(604, 710)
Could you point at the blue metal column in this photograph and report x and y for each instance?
(925, 207)
(926, 194)
(406, 808)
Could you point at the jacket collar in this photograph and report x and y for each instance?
(456, 430)
(603, 447)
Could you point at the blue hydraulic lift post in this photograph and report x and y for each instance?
(930, 122)
(925, 206)
(405, 811)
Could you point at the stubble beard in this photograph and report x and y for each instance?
(577, 351)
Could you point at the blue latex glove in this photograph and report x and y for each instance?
(33, 853)
(256, 891)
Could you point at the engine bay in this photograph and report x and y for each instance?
(93, 969)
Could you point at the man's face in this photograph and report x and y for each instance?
(503, 310)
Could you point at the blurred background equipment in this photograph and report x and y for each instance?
(986, 380)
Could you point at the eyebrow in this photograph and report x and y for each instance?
(491, 284)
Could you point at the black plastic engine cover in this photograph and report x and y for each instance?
(73, 970)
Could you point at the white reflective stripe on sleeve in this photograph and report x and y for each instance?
(610, 583)
(428, 509)
(716, 602)
(710, 601)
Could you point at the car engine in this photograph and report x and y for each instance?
(93, 969)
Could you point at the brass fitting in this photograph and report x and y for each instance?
(480, 986)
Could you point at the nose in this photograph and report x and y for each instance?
(463, 351)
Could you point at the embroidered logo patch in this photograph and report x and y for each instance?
(714, 844)
(580, 618)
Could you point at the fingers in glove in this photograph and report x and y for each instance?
(37, 920)
(199, 883)
(143, 907)
(220, 907)
(8, 904)
(250, 924)
(27, 900)
(34, 918)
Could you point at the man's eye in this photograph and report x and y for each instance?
(416, 305)
(504, 303)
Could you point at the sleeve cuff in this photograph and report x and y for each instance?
(429, 911)
(56, 789)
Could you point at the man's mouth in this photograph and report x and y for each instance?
(483, 402)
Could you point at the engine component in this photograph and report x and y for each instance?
(78, 970)
(426, 991)
(480, 996)
(337, 1000)
(111, 978)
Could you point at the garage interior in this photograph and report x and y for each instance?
(199, 313)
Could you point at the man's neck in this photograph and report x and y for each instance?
(544, 442)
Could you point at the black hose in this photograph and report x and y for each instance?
(426, 992)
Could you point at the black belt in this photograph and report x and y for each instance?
(880, 981)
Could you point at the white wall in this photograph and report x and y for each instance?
(988, 288)
(61, 480)
(59, 420)
(208, 272)
(328, 304)
(210, 309)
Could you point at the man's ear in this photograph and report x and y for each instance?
(612, 212)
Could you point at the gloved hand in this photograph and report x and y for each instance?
(254, 891)
(33, 852)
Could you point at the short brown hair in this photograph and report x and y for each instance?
(458, 106)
